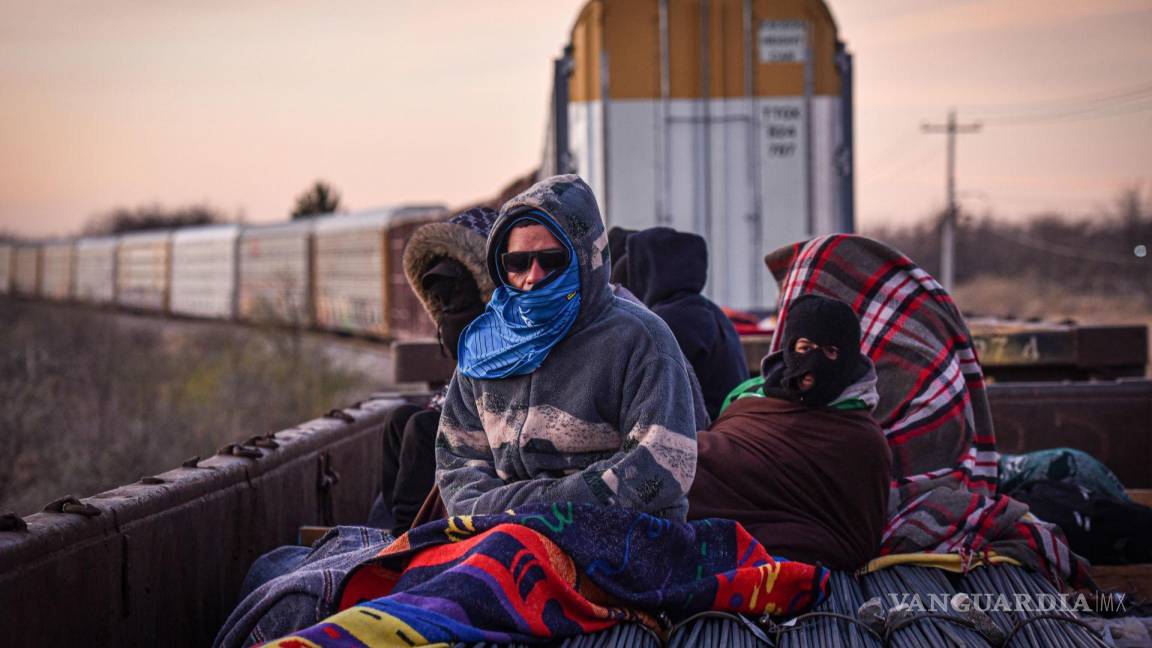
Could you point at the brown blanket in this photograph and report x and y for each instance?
(809, 484)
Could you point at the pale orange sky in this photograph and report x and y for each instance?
(241, 105)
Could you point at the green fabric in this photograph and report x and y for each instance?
(756, 383)
(754, 387)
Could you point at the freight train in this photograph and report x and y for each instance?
(340, 273)
(732, 119)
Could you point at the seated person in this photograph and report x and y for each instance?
(796, 456)
(667, 270)
(444, 265)
(563, 392)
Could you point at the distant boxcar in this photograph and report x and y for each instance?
(26, 269)
(57, 261)
(204, 271)
(356, 269)
(95, 279)
(142, 270)
(6, 262)
(276, 273)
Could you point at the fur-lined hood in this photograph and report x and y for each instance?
(438, 240)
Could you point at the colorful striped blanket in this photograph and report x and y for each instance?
(933, 406)
(547, 572)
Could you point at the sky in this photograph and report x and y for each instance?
(241, 105)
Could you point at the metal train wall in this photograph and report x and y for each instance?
(341, 273)
(732, 119)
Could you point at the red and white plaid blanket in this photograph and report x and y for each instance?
(933, 406)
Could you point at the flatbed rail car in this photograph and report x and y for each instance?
(160, 561)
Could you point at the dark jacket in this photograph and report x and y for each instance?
(667, 270)
(810, 483)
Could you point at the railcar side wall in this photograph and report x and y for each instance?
(276, 274)
(26, 270)
(162, 563)
(95, 279)
(204, 272)
(142, 271)
(56, 279)
(5, 269)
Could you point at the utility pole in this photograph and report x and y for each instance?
(948, 227)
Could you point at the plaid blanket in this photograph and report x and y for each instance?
(546, 572)
(933, 406)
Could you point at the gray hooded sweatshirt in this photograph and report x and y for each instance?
(609, 416)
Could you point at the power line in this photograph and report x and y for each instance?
(898, 169)
(1118, 94)
(1066, 251)
(1097, 112)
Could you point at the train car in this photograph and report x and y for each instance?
(275, 283)
(95, 277)
(728, 118)
(359, 276)
(142, 270)
(57, 272)
(26, 269)
(6, 261)
(204, 271)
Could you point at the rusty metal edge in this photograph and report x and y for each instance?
(52, 532)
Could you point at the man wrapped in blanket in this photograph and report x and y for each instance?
(795, 456)
(564, 392)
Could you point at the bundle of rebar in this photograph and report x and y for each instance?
(903, 606)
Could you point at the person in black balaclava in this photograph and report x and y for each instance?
(444, 264)
(820, 356)
(795, 455)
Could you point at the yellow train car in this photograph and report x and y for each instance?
(728, 118)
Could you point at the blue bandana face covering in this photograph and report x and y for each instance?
(514, 334)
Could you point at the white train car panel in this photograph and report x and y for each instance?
(95, 277)
(276, 273)
(6, 261)
(26, 270)
(142, 270)
(204, 271)
(352, 259)
(731, 119)
(57, 270)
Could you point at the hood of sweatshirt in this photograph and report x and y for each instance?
(569, 204)
(664, 263)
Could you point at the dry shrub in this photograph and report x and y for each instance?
(93, 400)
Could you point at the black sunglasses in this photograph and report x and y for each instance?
(549, 260)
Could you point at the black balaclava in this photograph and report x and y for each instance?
(454, 288)
(826, 322)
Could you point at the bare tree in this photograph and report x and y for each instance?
(151, 217)
(320, 198)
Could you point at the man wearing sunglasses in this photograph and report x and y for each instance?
(564, 392)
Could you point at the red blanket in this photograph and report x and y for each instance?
(933, 405)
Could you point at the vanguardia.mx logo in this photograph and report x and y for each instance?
(1103, 602)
